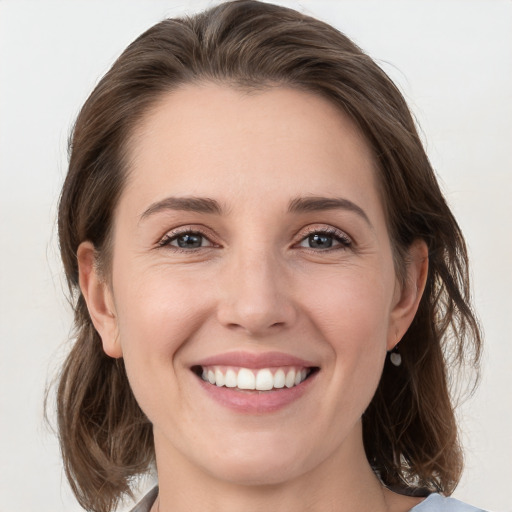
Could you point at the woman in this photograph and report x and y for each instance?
(270, 288)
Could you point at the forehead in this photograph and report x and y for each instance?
(214, 140)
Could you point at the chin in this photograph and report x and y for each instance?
(271, 462)
(250, 472)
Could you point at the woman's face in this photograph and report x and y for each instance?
(250, 248)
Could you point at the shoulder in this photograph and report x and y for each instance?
(146, 503)
(438, 503)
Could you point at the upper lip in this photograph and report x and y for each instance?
(254, 361)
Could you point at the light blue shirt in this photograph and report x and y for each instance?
(438, 503)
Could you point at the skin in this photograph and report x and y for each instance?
(256, 285)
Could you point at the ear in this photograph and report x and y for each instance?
(98, 297)
(408, 295)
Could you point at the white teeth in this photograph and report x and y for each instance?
(264, 380)
(279, 379)
(231, 379)
(290, 379)
(260, 380)
(219, 378)
(246, 379)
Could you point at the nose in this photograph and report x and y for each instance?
(256, 294)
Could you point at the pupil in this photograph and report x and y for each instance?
(190, 241)
(320, 241)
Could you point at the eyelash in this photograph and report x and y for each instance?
(339, 236)
(174, 235)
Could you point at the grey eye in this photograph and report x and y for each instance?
(320, 241)
(188, 241)
(324, 240)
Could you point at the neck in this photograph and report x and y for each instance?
(343, 482)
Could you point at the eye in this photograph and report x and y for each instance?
(325, 239)
(186, 240)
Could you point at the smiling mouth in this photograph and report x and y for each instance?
(250, 379)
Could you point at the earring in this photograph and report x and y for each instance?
(395, 357)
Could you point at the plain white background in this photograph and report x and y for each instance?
(453, 61)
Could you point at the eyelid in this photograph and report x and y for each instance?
(343, 238)
(193, 229)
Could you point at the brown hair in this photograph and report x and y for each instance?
(409, 429)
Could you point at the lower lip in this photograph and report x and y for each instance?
(256, 402)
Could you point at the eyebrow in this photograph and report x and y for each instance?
(317, 204)
(190, 204)
(297, 205)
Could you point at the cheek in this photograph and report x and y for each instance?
(353, 309)
(157, 307)
(352, 315)
(158, 312)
